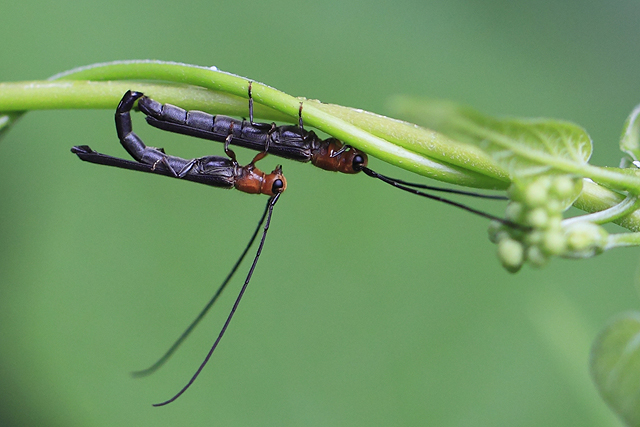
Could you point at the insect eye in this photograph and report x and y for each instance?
(358, 162)
(277, 186)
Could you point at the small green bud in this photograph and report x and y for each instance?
(554, 242)
(537, 218)
(554, 206)
(515, 192)
(514, 211)
(510, 254)
(562, 186)
(554, 222)
(534, 237)
(586, 238)
(497, 231)
(537, 193)
(536, 256)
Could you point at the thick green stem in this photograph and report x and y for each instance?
(399, 143)
(351, 134)
(418, 139)
(47, 95)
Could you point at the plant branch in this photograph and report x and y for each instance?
(399, 143)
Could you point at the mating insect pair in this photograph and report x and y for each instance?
(292, 142)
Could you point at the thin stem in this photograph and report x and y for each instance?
(622, 239)
(625, 207)
(595, 198)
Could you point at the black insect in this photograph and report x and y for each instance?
(210, 170)
(291, 142)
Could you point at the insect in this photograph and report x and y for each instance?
(292, 142)
(214, 171)
(210, 170)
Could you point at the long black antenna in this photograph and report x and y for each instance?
(151, 369)
(432, 188)
(399, 184)
(270, 204)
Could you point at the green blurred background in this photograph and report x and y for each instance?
(369, 306)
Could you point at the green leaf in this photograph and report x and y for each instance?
(630, 140)
(615, 366)
(526, 148)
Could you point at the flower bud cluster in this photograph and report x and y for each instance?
(538, 208)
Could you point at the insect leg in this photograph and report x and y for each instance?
(300, 117)
(250, 104)
(227, 141)
(260, 125)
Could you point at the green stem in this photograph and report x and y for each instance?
(237, 87)
(418, 139)
(47, 95)
(595, 198)
(396, 142)
(627, 206)
(288, 105)
(622, 239)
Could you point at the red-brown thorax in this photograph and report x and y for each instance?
(326, 158)
(252, 180)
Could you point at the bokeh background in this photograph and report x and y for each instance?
(369, 306)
